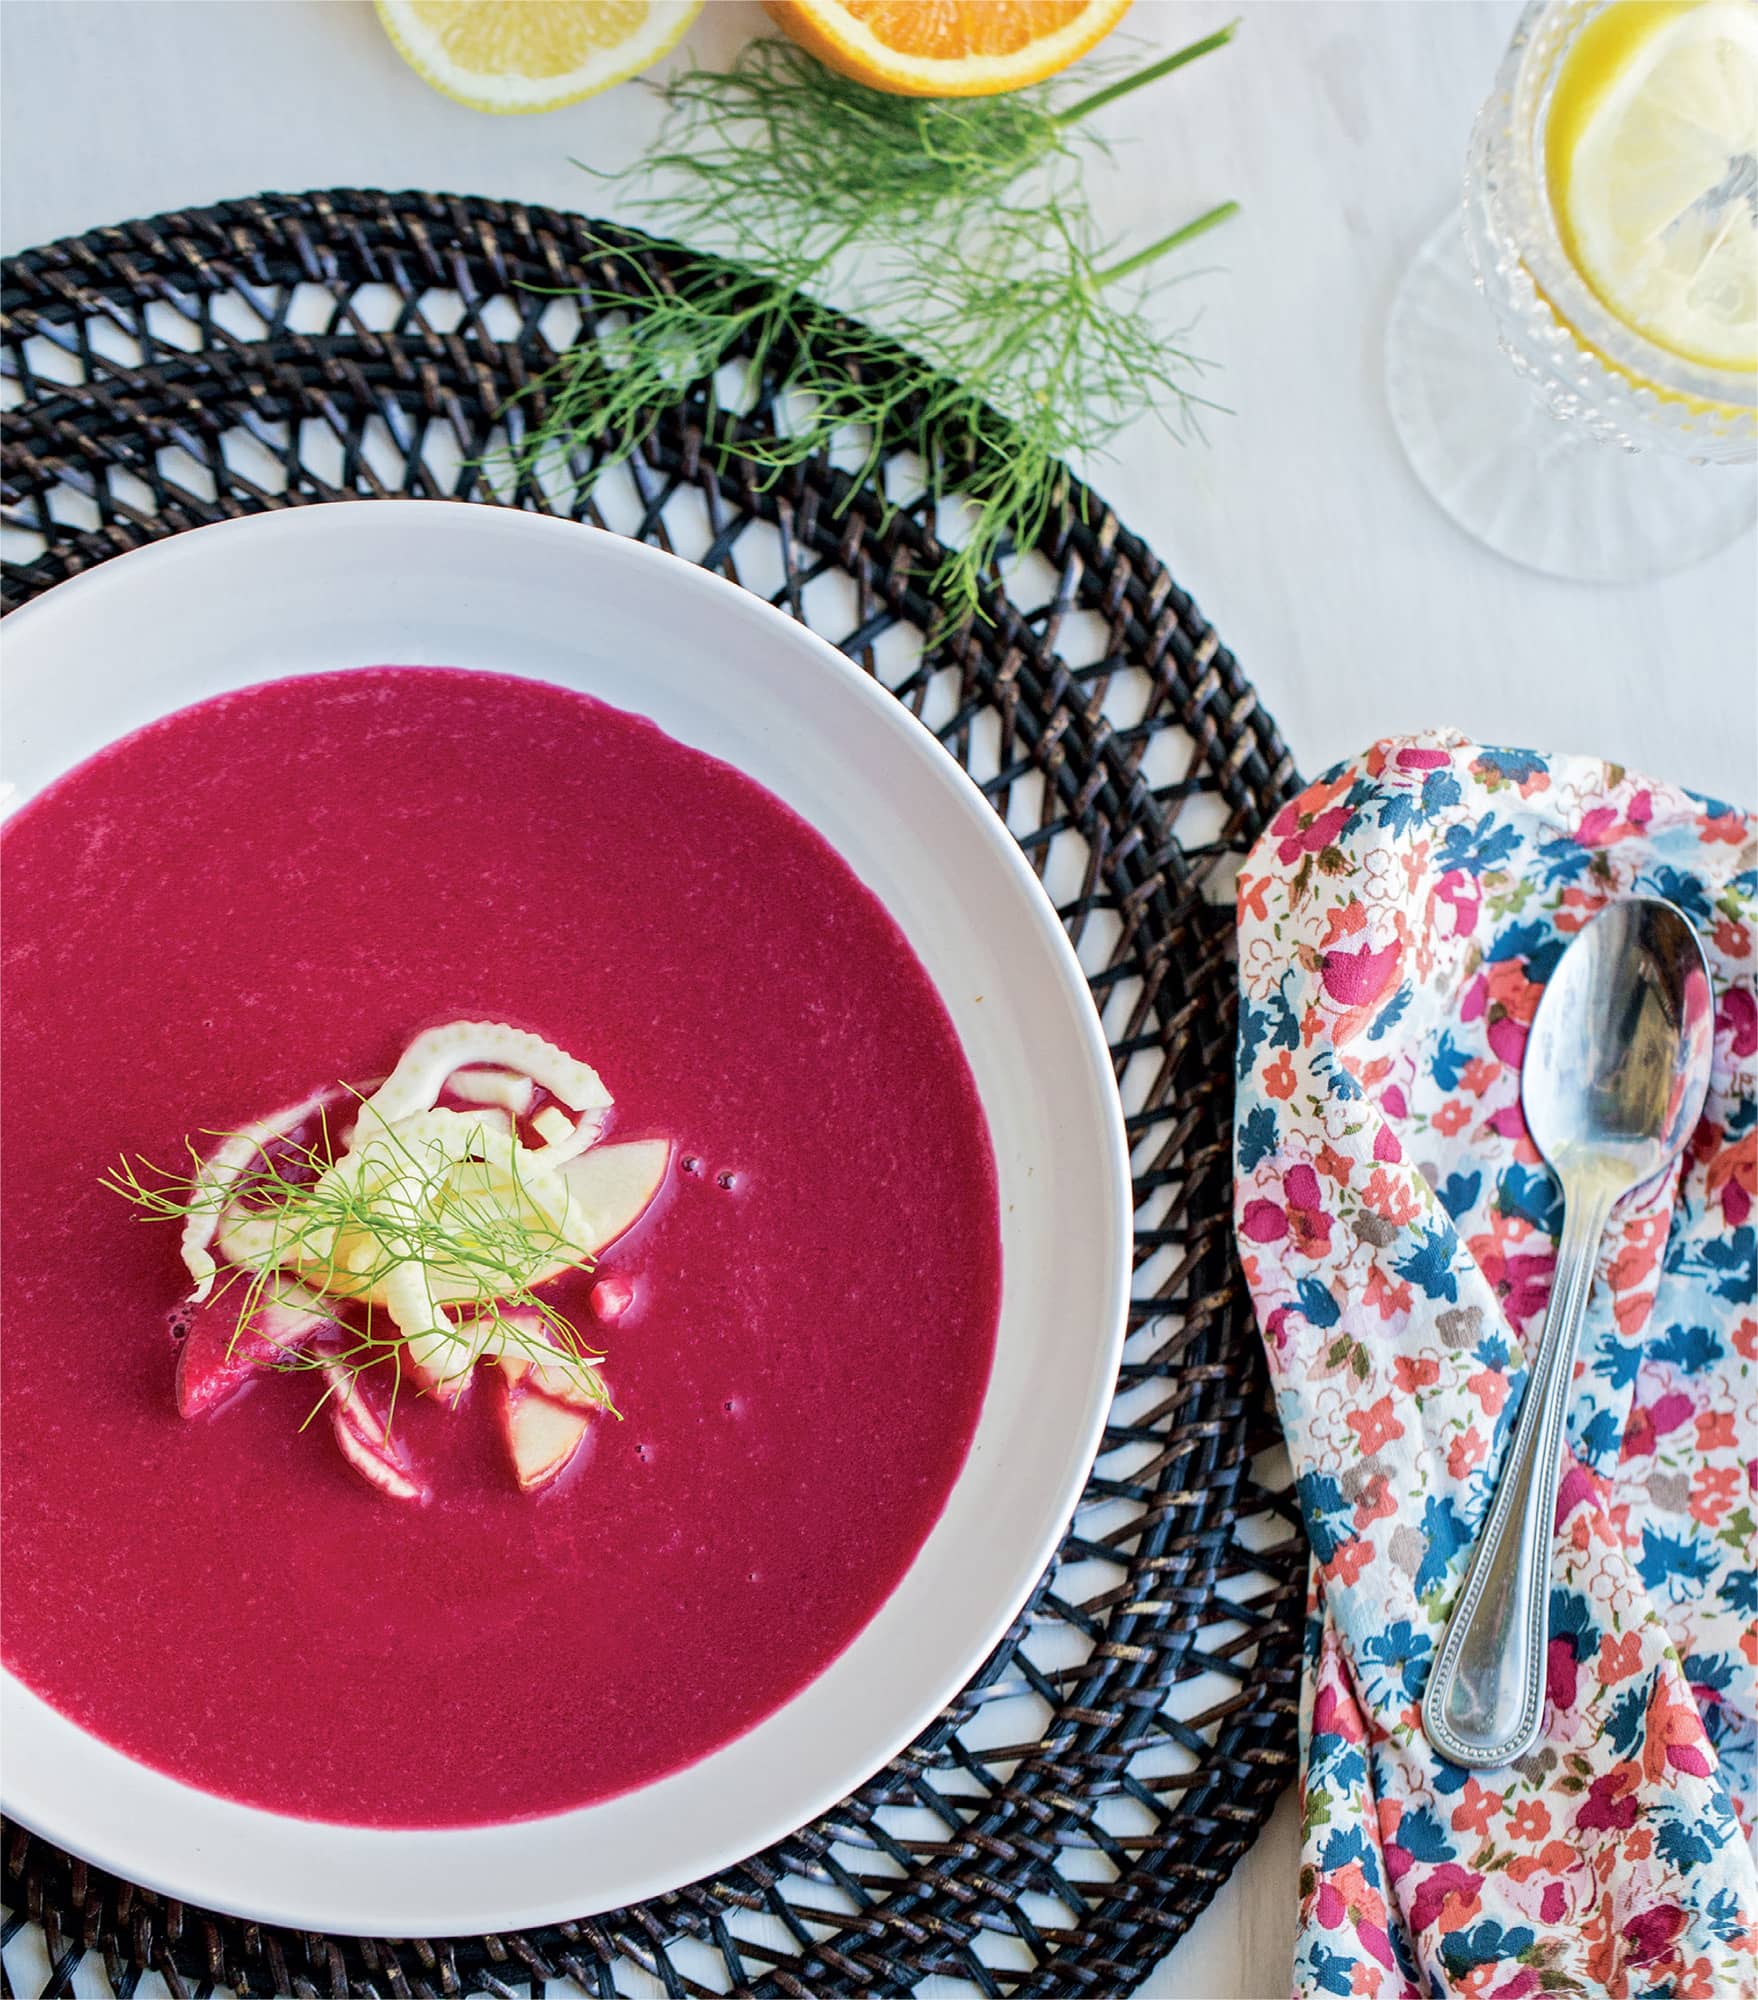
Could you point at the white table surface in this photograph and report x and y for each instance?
(1354, 605)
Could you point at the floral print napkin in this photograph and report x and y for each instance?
(1397, 924)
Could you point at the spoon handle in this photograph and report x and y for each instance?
(1484, 1704)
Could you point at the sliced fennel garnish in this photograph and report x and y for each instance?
(441, 1219)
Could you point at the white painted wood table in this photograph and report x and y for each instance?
(1355, 606)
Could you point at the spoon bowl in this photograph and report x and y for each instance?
(1617, 1063)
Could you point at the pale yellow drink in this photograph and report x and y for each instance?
(1651, 165)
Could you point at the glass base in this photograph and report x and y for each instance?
(1533, 487)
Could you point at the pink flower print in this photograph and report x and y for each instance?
(1509, 1122)
(1313, 839)
(1333, 1716)
(1652, 1932)
(1576, 1485)
(1553, 1904)
(1641, 810)
(1374, 1941)
(1609, 1806)
(1638, 1435)
(1559, 1678)
(1737, 1017)
(1385, 1141)
(1263, 1222)
(1461, 895)
(1309, 1225)
(1669, 1412)
(1598, 828)
(1310, 1229)
(1476, 999)
(1447, 1895)
(1422, 760)
(1508, 1038)
(1358, 978)
(1674, 1737)
(1528, 1282)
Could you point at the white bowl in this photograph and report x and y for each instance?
(450, 584)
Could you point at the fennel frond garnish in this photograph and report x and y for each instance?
(992, 327)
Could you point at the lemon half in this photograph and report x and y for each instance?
(1652, 156)
(531, 55)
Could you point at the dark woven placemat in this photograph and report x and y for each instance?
(1058, 1829)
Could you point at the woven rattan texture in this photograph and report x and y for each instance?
(1062, 1824)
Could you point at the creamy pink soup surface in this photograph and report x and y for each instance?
(275, 890)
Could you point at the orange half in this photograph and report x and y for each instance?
(947, 48)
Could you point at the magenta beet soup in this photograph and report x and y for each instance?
(501, 1256)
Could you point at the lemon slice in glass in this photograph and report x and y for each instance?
(1652, 158)
(531, 55)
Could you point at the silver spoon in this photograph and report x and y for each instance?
(1617, 1065)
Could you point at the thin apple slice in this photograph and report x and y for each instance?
(446, 1390)
(542, 1434)
(575, 1383)
(545, 1408)
(517, 1342)
(609, 1188)
(442, 1360)
(218, 1356)
(365, 1440)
